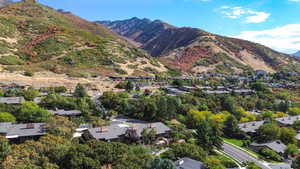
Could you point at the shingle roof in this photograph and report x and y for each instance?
(250, 127)
(22, 130)
(119, 126)
(288, 120)
(280, 166)
(276, 146)
(65, 112)
(188, 163)
(12, 100)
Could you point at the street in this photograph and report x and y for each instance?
(242, 156)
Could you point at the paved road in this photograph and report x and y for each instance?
(242, 156)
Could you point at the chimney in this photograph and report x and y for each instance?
(30, 126)
(103, 130)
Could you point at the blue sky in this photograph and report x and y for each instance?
(274, 23)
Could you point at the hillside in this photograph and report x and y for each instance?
(34, 37)
(195, 50)
(297, 54)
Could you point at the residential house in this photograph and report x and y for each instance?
(69, 113)
(188, 163)
(22, 132)
(217, 92)
(250, 128)
(123, 127)
(276, 146)
(12, 100)
(174, 91)
(287, 121)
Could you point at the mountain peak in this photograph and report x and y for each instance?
(194, 50)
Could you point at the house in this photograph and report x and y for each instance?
(216, 92)
(288, 120)
(276, 146)
(174, 91)
(66, 94)
(22, 132)
(6, 86)
(69, 113)
(12, 100)
(188, 163)
(121, 127)
(250, 128)
(243, 91)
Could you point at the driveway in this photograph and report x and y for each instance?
(243, 156)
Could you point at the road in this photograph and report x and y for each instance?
(242, 156)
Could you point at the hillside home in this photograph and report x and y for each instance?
(287, 121)
(122, 128)
(22, 132)
(12, 100)
(188, 163)
(276, 146)
(68, 113)
(250, 128)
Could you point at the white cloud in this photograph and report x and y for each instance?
(249, 15)
(294, 0)
(284, 39)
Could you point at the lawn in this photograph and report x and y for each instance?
(236, 142)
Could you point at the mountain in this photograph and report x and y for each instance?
(34, 37)
(297, 54)
(195, 50)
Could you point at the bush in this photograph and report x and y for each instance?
(11, 60)
(294, 111)
(270, 154)
(7, 117)
(28, 73)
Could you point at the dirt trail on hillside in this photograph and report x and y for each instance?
(47, 79)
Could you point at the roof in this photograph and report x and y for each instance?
(188, 163)
(276, 146)
(280, 166)
(288, 120)
(22, 130)
(250, 127)
(65, 112)
(120, 125)
(12, 100)
(217, 92)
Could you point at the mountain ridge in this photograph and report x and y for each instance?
(34, 38)
(196, 50)
(297, 54)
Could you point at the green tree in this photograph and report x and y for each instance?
(7, 117)
(31, 112)
(214, 163)
(80, 156)
(287, 135)
(80, 91)
(4, 148)
(30, 94)
(252, 165)
(291, 150)
(208, 136)
(148, 135)
(296, 125)
(159, 163)
(268, 132)
(270, 154)
(296, 163)
(231, 128)
(294, 111)
(180, 150)
(129, 86)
